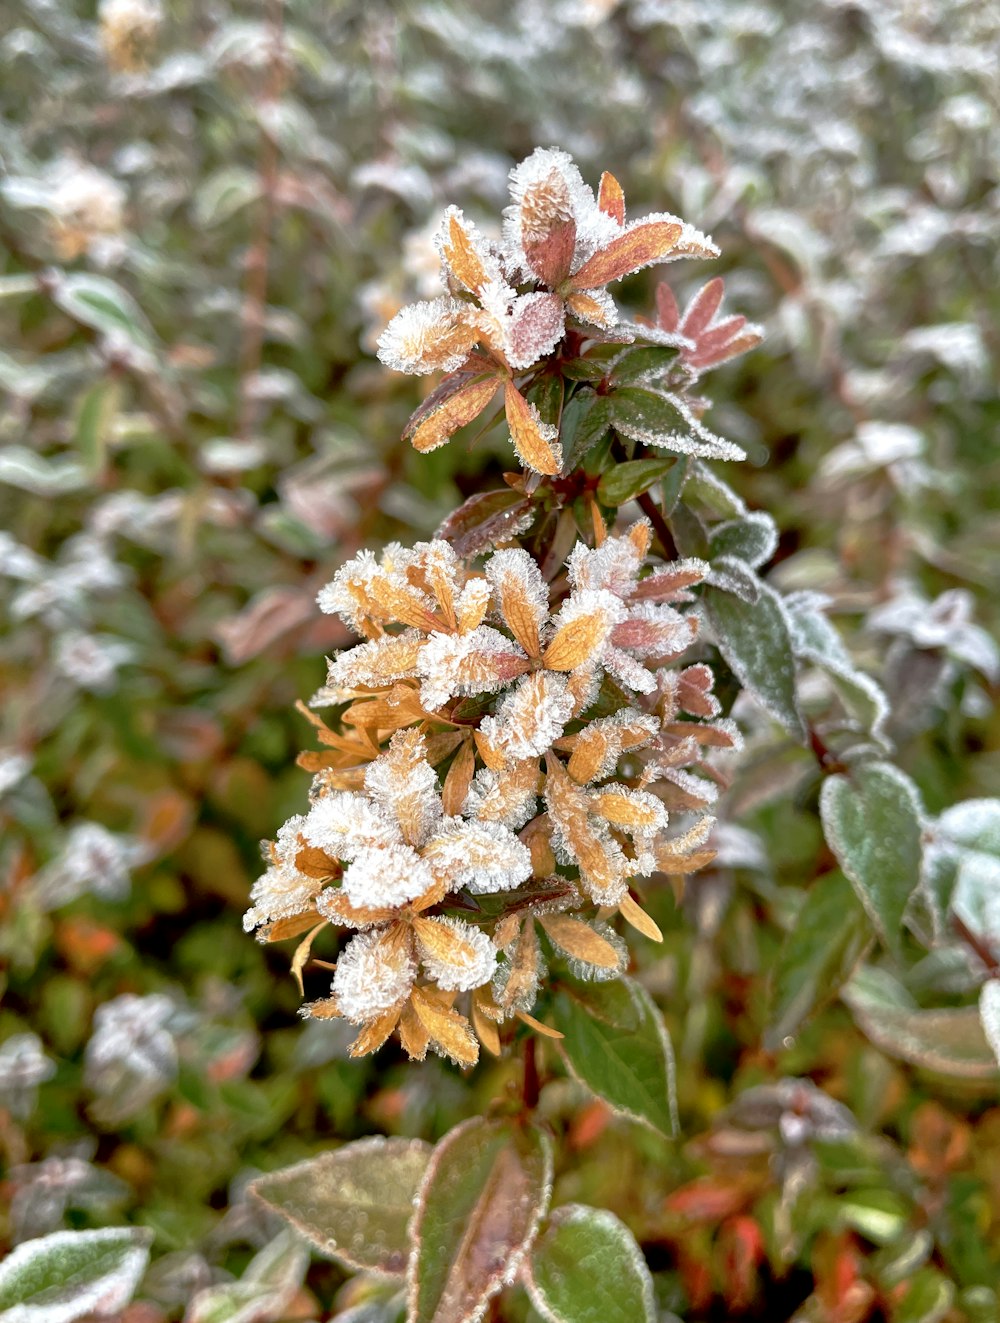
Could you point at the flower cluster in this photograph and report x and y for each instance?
(537, 744)
(510, 302)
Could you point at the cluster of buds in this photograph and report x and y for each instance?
(516, 745)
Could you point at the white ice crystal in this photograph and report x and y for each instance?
(372, 975)
(531, 717)
(472, 963)
(480, 856)
(23, 1066)
(501, 797)
(456, 664)
(426, 337)
(344, 822)
(386, 877)
(92, 859)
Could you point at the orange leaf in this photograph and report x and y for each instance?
(536, 442)
(281, 929)
(446, 1027)
(462, 259)
(458, 409)
(633, 913)
(301, 955)
(375, 1032)
(459, 778)
(537, 1025)
(639, 246)
(579, 940)
(610, 198)
(576, 642)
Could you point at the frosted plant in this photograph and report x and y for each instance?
(515, 745)
(92, 859)
(23, 1066)
(567, 243)
(131, 1056)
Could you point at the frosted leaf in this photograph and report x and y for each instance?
(595, 306)
(14, 767)
(478, 663)
(465, 253)
(532, 328)
(375, 972)
(587, 616)
(467, 962)
(45, 1191)
(472, 604)
(433, 336)
(602, 742)
(989, 1014)
(548, 191)
(279, 894)
(344, 822)
(697, 440)
(591, 973)
(386, 877)
(509, 797)
(579, 839)
(480, 856)
(654, 630)
(23, 1066)
(369, 588)
(522, 595)
(131, 1057)
(91, 661)
(531, 717)
(627, 671)
(92, 859)
(378, 662)
(615, 565)
(402, 783)
(18, 562)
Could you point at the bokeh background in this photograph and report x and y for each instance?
(208, 211)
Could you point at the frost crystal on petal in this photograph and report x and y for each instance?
(403, 784)
(386, 877)
(374, 973)
(481, 856)
(466, 961)
(428, 337)
(531, 717)
(478, 663)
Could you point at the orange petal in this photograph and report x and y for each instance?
(449, 1030)
(375, 1032)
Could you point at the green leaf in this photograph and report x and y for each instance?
(104, 306)
(587, 1268)
(673, 485)
(616, 1043)
(477, 1212)
(643, 361)
(355, 1203)
(756, 644)
(98, 410)
(626, 481)
(877, 1214)
(68, 1274)
(265, 1290)
(585, 421)
(547, 396)
(753, 539)
(949, 1041)
(872, 823)
(830, 936)
(657, 418)
(928, 1298)
(223, 194)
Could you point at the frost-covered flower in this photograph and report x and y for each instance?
(557, 237)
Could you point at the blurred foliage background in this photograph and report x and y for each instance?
(207, 213)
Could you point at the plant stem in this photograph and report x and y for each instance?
(652, 512)
(530, 1084)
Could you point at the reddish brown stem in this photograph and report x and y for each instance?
(652, 512)
(530, 1087)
